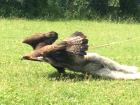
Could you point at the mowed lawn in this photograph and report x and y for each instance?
(34, 83)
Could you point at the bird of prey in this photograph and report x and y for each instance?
(39, 40)
(66, 54)
(71, 53)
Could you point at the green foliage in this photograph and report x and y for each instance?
(128, 7)
(10, 8)
(77, 9)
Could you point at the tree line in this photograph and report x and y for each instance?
(70, 9)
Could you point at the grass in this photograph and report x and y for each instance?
(33, 83)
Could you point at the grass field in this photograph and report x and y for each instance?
(33, 83)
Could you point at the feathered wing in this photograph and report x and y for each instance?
(75, 45)
(69, 50)
(39, 40)
(41, 52)
(61, 55)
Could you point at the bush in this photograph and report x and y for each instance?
(128, 7)
(53, 9)
(10, 8)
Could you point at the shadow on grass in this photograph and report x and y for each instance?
(55, 76)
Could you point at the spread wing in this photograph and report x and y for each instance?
(71, 50)
(76, 44)
(64, 52)
(39, 40)
(67, 54)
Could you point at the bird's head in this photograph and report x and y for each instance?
(32, 56)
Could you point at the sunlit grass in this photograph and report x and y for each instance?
(33, 83)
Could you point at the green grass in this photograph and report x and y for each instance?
(33, 83)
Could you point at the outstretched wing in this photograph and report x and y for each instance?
(69, 51)
(76, 44)
(64, 52)
(39, 40)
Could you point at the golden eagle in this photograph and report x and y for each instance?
(63, 55)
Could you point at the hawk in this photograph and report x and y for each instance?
(62, 55)
(71, 53)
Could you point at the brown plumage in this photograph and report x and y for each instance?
(59, 55)
(39, 40)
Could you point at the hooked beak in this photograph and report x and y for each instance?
(32, 58)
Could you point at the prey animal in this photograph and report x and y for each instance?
(71, 54)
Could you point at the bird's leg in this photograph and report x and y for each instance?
(59, 69)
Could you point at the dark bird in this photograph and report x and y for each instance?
(39, 40)
(71, 54)
(62, 55)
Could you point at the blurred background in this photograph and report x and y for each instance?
(71, 9)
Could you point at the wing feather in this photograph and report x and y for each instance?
(63, 53)
(76, 44)
(39, 40)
